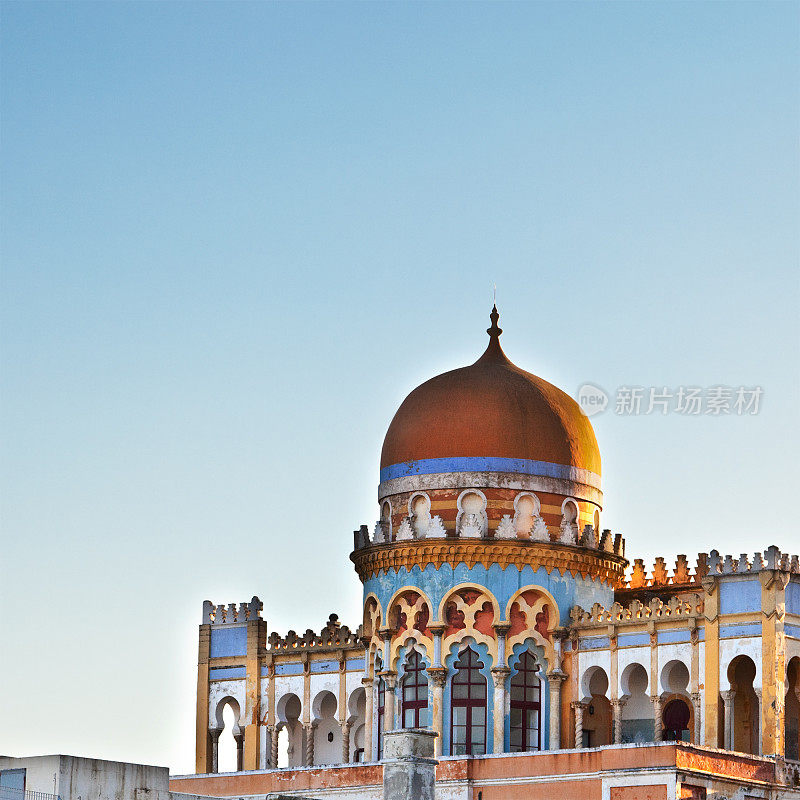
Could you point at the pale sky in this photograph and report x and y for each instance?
(235, 236)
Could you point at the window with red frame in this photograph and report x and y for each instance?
(415, 692)
(526, 706)
(468, 707)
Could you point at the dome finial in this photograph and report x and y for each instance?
(494, 332)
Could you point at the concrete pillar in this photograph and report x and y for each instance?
(578, 709)
(499, 674)
(555, 679)
(345, 742)
(214, 733)
(618, 705)
(437, 677)
(658, 723)
(727, 698)
(409, 769)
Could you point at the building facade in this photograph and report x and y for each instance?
(500, 614)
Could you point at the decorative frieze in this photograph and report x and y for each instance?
(520, 552)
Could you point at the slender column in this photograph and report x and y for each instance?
(618, 705)
(239, 739)
(274, 731)
(698, 712)
(309, 728)
(658, 724)
(499, 674)
(578, 709)
(369, 721)
(437, 677)
(502, 629)
(214, 733)
(390, 679)
(437, 629)
(346, 742)
(760, 743)
(555, 679)
(727, 698)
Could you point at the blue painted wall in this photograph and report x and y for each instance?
(502, 583)
(218, 673)
(793, 597)
(738, 631)
(226, 642)
(736, 597)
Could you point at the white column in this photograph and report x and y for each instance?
(437, 677)
(273, 744)
(578, 709)
(759, 745)
(658, 725)
(308, 755)
(499, 674)
(215, 732)
(698, 721)
(390, 679)
(618, 705)
(555, 680)
(727, 698)
(346, 742)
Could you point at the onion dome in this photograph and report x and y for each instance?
(494, 411)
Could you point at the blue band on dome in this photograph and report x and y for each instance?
(428, 466)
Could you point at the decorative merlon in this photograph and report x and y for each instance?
(333, 636)
(229, 614)
(473, 527)
(676, 608)
(707, 564)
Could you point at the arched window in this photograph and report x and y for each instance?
(526, 699)
(415, 692)
(676, 721)
(468, 701)
(381, 707)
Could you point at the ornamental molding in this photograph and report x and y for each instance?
(372, 560)
(491, 480)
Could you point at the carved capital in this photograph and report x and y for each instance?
(437, 676)
(500, 674)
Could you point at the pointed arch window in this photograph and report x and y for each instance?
(468, 707)
(415, 692)
(526, 706)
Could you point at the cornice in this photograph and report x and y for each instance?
(583, 561)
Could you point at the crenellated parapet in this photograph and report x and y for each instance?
(333, 636)
(231, 613)
(771, 559)
(684, 575)
(636, 612)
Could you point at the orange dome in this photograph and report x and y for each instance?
(491, 410)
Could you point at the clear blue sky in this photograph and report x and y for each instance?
(235, 235)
